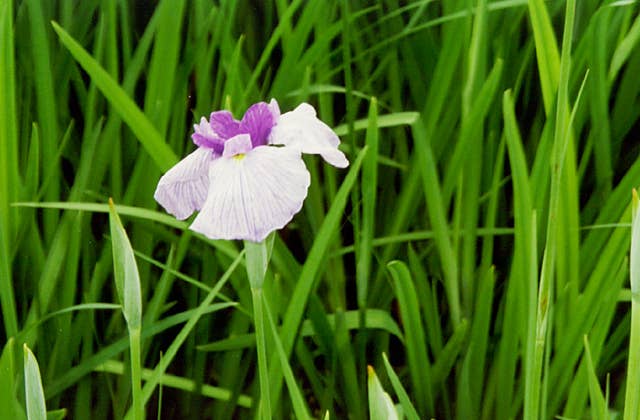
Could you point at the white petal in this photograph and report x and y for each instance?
(239, 144)
(183, 189)
(301, 129)
(254, 194)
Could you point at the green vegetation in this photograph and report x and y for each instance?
(476, 260)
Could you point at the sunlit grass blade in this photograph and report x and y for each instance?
(380, 404)
(127, 281)
(632, 396)
(34, 394)
(598, 402)
(179, 383)
(407, 407)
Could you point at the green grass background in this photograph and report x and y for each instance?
(476, 253)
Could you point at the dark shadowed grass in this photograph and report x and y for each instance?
(472, 262)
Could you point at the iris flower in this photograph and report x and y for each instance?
(247, 178)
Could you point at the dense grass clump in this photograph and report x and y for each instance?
(477, 259)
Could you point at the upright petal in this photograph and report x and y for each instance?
(302, 130)
(224, 125)
(254, 194)
(257, 122)
(183, 189)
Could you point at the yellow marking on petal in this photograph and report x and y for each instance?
(239, 156)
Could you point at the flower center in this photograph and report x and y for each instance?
(257, 123)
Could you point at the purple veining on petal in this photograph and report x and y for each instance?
(237, 145)
(224, 125)
(204, 136)
(257, 122)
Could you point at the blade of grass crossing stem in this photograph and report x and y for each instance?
(171, 352)
(632, 396)
(299, 405)
(127, 280)
(369, 186)
(380, 403)
(144, 130)
(306, 282)
(34, 394)
(437, 217)
(8, 167)
(415, 338)
(407, 407)
(598, 404)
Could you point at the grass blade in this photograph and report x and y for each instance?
(144, 130)
(128, 286)
(419, 365)
(632, 396)
(34, 394)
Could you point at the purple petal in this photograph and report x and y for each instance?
(301, 129)
(251, 197)
(204, 136)
(183, 189)
(224, 125)
(257, 122)
(239, 144)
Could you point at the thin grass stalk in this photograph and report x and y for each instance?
(261, 347)
(561, 139)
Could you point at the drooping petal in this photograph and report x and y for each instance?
(257, 122)
(237, 145)
(253, 194)
(301, 129)
(183, 189)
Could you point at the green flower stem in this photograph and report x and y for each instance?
(136, 374)
(257, 258)
(261, 346)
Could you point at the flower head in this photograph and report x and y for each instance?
(243, 184)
